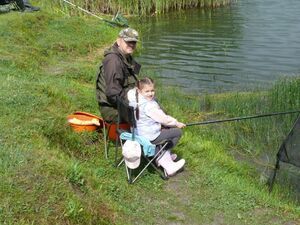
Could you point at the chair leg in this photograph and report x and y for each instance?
(116, 153)
(150, 163)
(164, 176)
(162, 173)
(106, 139)
(120, 162)
(105, 142)
(129, 172)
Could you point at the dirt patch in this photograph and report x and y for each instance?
(177, 188)
(218, 220)
(292, 222)
(177, 185)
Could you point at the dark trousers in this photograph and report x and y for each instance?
(109, 114)
(20, 4)
(171, 134)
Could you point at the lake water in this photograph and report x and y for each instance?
(247, 45)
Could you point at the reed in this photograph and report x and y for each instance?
(145, 7)
(257, 135)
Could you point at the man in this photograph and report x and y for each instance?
(24, 5)
(117, 73)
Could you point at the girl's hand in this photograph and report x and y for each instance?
(180, 125)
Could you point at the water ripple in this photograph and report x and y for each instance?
(247, 45)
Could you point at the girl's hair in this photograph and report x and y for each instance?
(140, 85)
(144, 81)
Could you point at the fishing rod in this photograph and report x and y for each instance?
(242, 118)
(113, 23)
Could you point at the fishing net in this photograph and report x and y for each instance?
(289, 151)
(120, 20)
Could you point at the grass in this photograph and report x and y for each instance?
(52, 175)
(282, 97)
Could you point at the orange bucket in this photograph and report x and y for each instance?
(82, 121)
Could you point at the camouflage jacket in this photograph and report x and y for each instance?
(116, 75)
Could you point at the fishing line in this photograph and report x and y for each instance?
(242, 118)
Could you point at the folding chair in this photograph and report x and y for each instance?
(127, 113)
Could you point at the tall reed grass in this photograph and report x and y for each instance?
(256, 135)
(145, 7)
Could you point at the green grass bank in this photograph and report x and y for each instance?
(51, 175)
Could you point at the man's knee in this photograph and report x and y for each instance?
(109, 114)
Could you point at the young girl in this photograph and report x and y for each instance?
(154, 124)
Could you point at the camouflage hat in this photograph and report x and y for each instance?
(129, 34)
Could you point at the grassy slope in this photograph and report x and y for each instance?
(49, 175)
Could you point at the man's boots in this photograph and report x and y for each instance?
(169, 166)
(29, 7)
